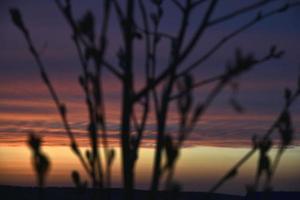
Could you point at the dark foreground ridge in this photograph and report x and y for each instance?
(65, 193)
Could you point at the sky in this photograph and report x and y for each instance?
(25, 104)
(192, 174)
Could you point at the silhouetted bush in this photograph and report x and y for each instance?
(175, 84)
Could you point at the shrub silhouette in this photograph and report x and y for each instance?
(41, 162)
(174, 85)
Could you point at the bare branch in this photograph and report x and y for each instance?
(67, 13)
(178, 5)
(197, 3)
(164, 74)
(198, 84)
(160, 34)
(200, 30)
(223, 80)
(59, 105)
(260, 17)
(241, 11)
(118, 10)
(253, 150)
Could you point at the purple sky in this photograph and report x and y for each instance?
(260, 90)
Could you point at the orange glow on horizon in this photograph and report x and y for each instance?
(197, 169)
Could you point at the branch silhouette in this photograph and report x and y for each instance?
(163, 85)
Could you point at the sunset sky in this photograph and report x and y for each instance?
(25, 104)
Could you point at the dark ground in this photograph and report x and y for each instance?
(31, 193)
